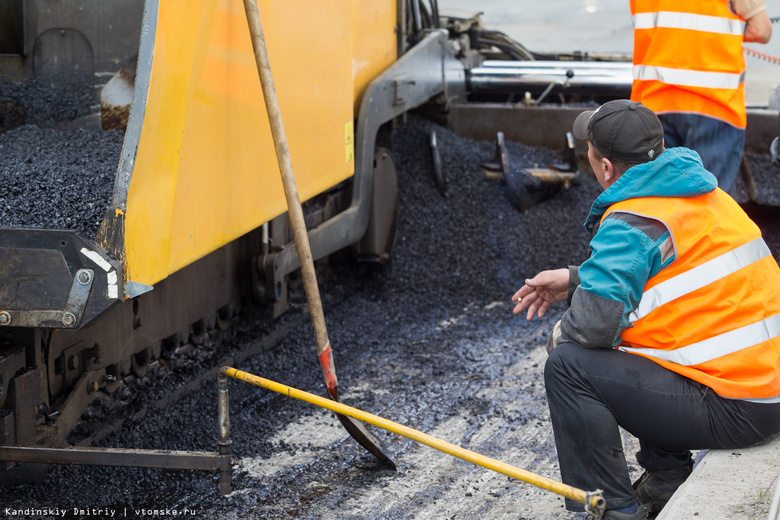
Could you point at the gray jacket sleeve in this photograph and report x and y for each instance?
(627, 250)
(574, 281)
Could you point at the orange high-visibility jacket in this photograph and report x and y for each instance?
(713, 314)
(688, 58)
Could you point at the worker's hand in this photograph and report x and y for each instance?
(541, 291)
(758, 29)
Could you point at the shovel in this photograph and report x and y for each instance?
(355, 428)
(527, 187)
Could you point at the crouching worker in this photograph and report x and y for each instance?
(673, 325)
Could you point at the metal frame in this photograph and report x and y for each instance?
(112, 230)
(161, 459)
(427, 70)
(86, 280)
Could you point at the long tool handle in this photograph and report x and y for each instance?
(293, 200)
(355, 428)
(593, 500)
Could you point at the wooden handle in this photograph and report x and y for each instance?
(288, 178)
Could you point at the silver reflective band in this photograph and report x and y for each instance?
(696, 278)
(765, 400)
(667, 249)
(717, 346)
(689, 78)
(693, 22)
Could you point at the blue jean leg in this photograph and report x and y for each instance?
(719, 144)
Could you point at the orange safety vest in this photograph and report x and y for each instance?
(713, 314)
(688, 58)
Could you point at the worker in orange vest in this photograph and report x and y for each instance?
(689, 68)
(673, 325)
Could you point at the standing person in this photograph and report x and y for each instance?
(689, 69)
(673, 327)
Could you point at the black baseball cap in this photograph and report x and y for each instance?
(622, 130)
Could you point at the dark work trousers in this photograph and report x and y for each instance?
(593, 391)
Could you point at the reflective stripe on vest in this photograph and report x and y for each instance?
(688, 58)
(688, 78)
(691, 21)
(719, 346)
(700, 276)
(713, 314)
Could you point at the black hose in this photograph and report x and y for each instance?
(435, 14)
(427, 18)
(416, 18)
(421, 19)
(505, 44)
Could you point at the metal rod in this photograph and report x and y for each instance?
(495, 76)
(615, 66)
(548, 89)
(593, 501)
(510, 79)
(89, 456)
(223, 442)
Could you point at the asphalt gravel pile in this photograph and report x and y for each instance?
(765, 210)
(57, 179)
(46, 101)
(427, 340)
(420, 339)
(474, 239)
(766, 178)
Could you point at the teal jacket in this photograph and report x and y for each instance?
(627, 249)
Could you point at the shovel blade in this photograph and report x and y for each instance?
(525, 190)
(359, 432)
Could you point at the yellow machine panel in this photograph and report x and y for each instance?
(205, 171)
(374, 41)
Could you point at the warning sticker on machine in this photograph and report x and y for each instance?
(349, 141)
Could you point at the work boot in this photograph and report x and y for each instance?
(655, 488)
(614, 514)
